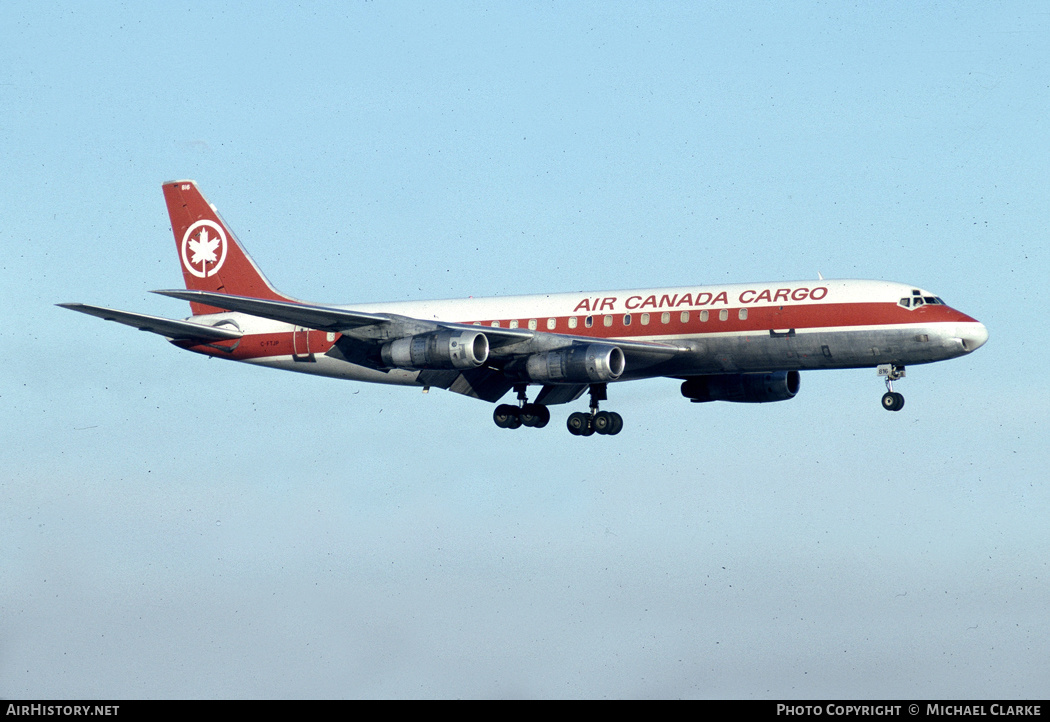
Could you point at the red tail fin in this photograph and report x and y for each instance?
(212, 258)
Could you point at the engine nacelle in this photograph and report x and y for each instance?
(743, 388)
(590, 363)
(440, 350)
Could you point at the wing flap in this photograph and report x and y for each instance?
(553, 394)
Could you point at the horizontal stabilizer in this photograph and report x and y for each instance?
(181, 330)
(300, 314)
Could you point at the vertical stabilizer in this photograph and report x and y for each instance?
(211, 257)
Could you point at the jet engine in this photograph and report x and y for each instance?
(582, 364)
(440, 350)
(743, 388)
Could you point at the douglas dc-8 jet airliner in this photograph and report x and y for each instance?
(739, 342)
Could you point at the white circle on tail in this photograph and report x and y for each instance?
(204, 248)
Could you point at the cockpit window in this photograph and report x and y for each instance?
(917, 300)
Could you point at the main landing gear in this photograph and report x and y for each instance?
(507, 416)
(891, 400)
(601, 422)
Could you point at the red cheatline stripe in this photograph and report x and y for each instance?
(761, 318)
(802, 318)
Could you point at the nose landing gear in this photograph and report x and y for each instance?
(891, 400)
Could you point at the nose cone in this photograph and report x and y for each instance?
(973, 335)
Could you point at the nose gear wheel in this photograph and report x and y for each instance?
(891, 400)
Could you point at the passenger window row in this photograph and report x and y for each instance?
(608, 319)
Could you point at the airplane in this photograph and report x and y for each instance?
(730, 342)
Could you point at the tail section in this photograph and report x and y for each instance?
(212, 258)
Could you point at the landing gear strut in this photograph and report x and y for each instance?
(601, 422)
(891, 400)
(507, 416)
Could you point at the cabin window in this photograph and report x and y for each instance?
(627, 319)
(551, 323)
(514, 323)
(645, 319)
(742, 314)
(532, 324)
(589, 321)
(704, 315)
(572, 322)
(685, 317)
(665, 317)
(495, 324)
(723, 315)
(607, 320)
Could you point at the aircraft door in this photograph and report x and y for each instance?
(784, 344)
(301, 345)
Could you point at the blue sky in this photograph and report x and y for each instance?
(179, 527)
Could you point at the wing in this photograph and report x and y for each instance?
(363, 331)
(327, 318)
(175, 330)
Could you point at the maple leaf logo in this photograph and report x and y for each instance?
(203, 248)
